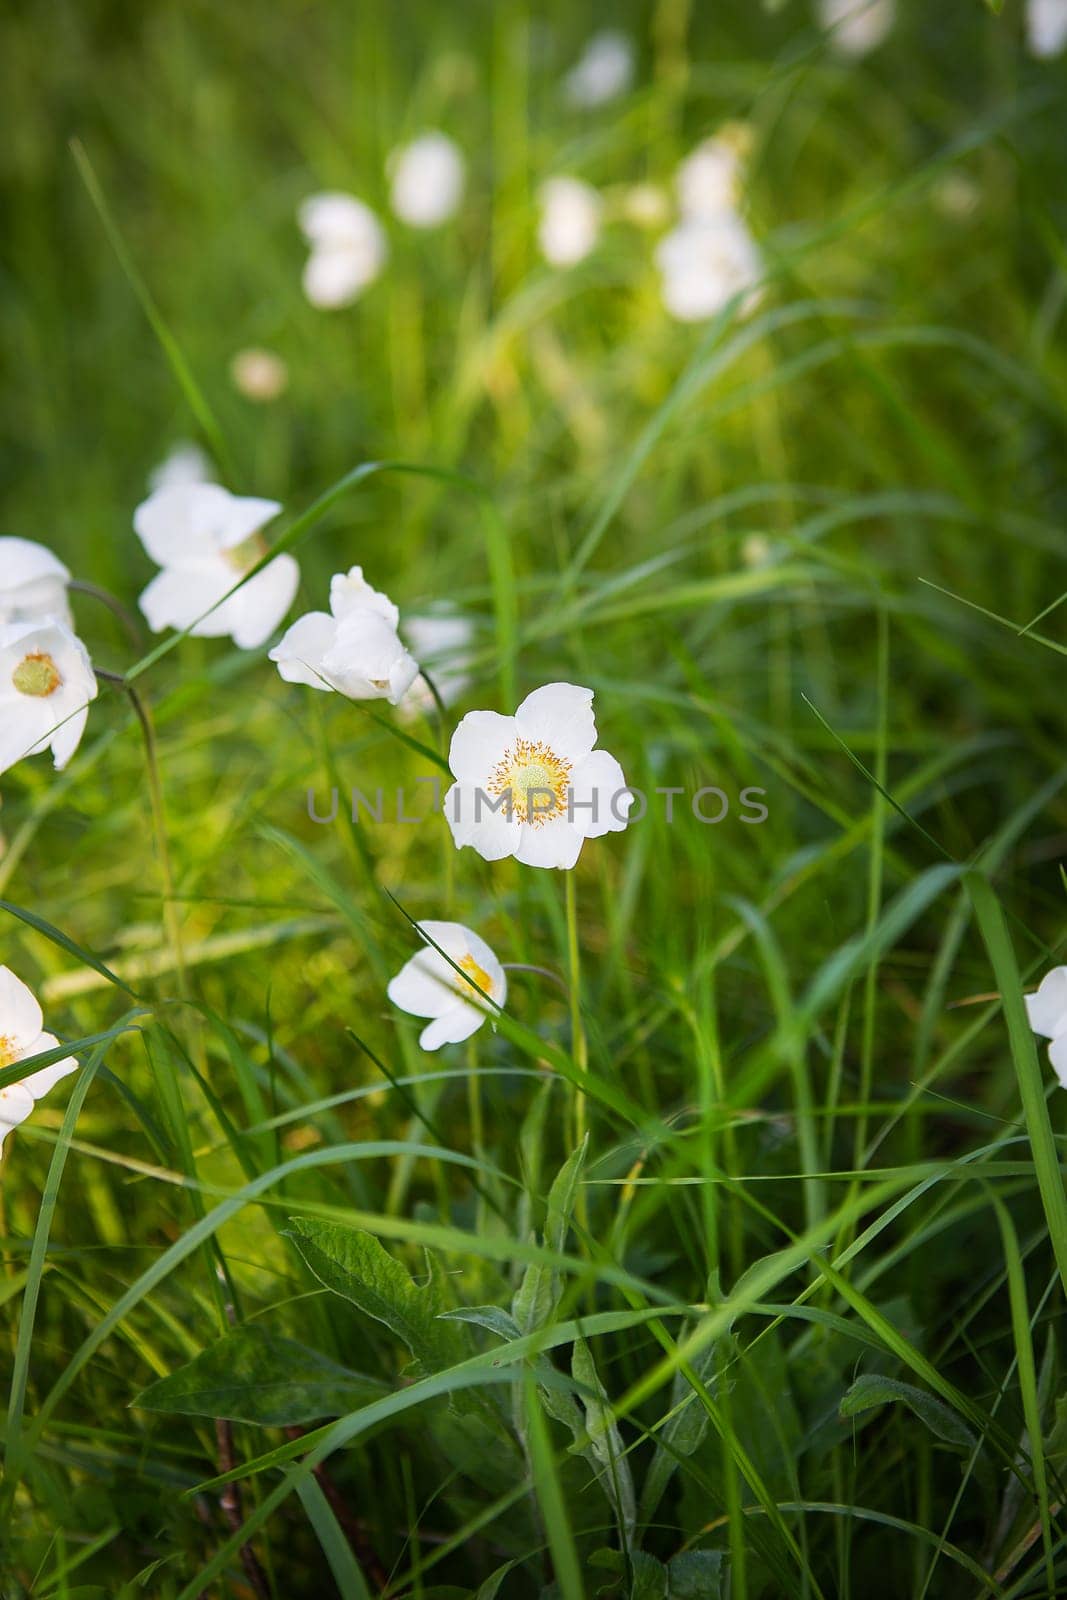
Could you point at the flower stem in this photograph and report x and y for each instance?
(579, 1048)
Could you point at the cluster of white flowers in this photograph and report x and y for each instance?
(710, 256)
(347, 242)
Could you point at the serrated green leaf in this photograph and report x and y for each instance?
(871, 1389)
(649, 1577)
(538, 1294)
(252, 1375)
(357, 1266)
(604, 1447)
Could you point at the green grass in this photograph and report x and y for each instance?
(789, 1323)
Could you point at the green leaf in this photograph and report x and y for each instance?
(696, 1575)
(650, 1578)
(492, 1318)
(252, 1375)
(538, 1294)
(356, 1265)
(604, 1448)
(871, 1389)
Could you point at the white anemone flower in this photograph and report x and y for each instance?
(708, 181)
(1046, 27)
(427, 178)
(205, 539)
(705, 263)
(427, 986)
(46, 684)
(33, 582)
(570, 220)
(22, 1036)
(354, 648)
(856, 27)
(440, 642)
(260, 375)
(1047, 1010)
(532, 786)
(603, 72)
(186, 463)
(348, 249)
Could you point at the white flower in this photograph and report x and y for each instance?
(348, 249)
(705, 263)
(46, 684)
(33, 582)
(204, 539)
(604, 71)
(21, 1036)
(259, 375)
(1046, 27)
(426, 986)
(532, 786)
(440, 642)
(570, 220)
(354, 648)
(186, 463)
(857, 27)
(1047, 1010)
(708, 180)
(427, 178)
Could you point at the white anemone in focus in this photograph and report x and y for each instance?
(704, 263)
(604, 70)
(33, 582)
(570, 220)
(856, 27)
(22, 1036)
(1047, 1010)
(348, 249)
(427, 178)
(428, 986)
(532, 786)
(440, 642)
(354, 648)
(46, 684)
(205, 539)
(186, 463)
(1046, 27)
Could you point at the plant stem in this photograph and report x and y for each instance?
(579, 1048)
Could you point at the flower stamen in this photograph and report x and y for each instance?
(9, 1051)
(536, 780)
(244, 556)
(37, 675)
(474, 975)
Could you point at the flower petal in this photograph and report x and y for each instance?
(492, 833)
(262, 602)
(1057, 1054)
(1047, 1009)
(176, 597)
(425, 986)
(16, 1103)
(561, 715)
(595, 782)
(23, 731)
(21, 1018)
(551, 844)
(452, 1027)
(299, 653)
(38, 1083)
(67, 736)
(479, 742)
(350, 591)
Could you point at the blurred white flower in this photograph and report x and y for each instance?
(956, 195)
(757, 550)
(532, 786)
(33, 582)
(204, 539)
(259, 375)
(705, 263)
(427, 178)
(646, 205)
(709, 179)
(1047, 1010)
(186, 463)
(857, 27)
(603, 72)
(1046, 27)
(440, 642)
(354, 648)
(46, 684)
(570, 220)
(348, 249)
(22, 1036)
(427, 986)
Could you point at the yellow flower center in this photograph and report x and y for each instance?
(475, 975)
(9, 1053)
(37, 674)
(243, 557)
(537, 780)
